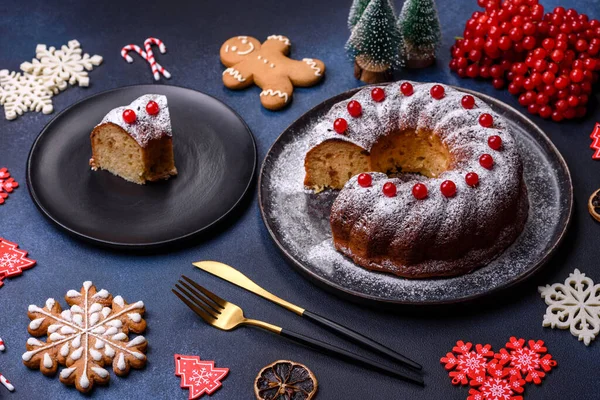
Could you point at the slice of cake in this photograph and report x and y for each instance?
(136, 142)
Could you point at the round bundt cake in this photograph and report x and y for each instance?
(431, 179)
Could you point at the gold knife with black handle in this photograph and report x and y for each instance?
(234, 276)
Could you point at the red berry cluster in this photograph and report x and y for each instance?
(549, 60)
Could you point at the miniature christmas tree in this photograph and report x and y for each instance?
(375, 42)
(420, 28)
(356, 11)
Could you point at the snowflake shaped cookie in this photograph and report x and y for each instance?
(91, 334)
(24, 92)
(574, 305)
(60, 67)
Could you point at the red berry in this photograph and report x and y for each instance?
(407, 89)
(495, 142)
(486, 161)
(486, 120)
(437, 92)
(419, 191)
(152, 108)
(340, 125)
(472, 71)
(378, 94)
(448, 188)
(504, 43)
(389, 189)
(561, 82)
(498, 83)
(468, 101)
(365, 180)
(548, 43)
(354, 109)
(129, 116)
(576, 75)
(545, 111)
(472, 179)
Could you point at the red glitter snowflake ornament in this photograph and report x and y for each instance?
(12, 260)
(466, 363)
(199, 377)
(529, 360)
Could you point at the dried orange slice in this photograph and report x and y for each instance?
(285, 380)
(594, 205)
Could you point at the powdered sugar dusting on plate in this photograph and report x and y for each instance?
(299, 220)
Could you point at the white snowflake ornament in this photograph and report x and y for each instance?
(61, 67)
(90, 335)
(574, 305)
(24, 92)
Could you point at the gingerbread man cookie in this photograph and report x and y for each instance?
(267, 66)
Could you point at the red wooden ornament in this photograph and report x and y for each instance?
(595, 136)
(7, 184)
(13, 261)
(199, 377)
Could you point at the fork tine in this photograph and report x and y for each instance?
(200, 302)
(209, 294)
(206, 317)
(206, 302)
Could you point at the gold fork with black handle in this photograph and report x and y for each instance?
(234, 276)
(227, 316)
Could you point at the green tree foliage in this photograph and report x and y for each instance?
(376, 38)
(356, 11)
(420, 28)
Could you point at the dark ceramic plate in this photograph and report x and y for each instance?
(215, 155)
(298, 220)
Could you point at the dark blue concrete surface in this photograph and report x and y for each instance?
(193, 32)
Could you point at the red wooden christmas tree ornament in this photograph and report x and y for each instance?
(595, 136)
(12, 260)
(198, 376)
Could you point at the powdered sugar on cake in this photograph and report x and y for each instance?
(146, 127)
(300, 218)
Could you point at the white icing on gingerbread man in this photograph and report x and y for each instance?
(268, 67)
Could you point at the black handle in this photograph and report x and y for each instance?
(361, 339)
(349, 356)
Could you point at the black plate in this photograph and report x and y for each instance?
(215, 156)
(298, 220)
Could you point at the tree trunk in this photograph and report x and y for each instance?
(370, 76)
(415, 63)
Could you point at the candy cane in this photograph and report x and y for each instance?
(6, 383)
(125, 50)
(2, 345)
(156, 67)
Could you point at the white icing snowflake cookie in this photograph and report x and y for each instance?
(91, 334)
(574, 305)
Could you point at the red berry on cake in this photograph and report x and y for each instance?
(472, 179)
(354, 109)
(448, 188)
(129, 116)
(378, 94)
(468, 102)
(389, 189)
(419, 191)
(365, 180)
(437, 92)
(407, 89)
(486, 120)
(486, 161)
(495, 142)
(340, 125)
(152, 108)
